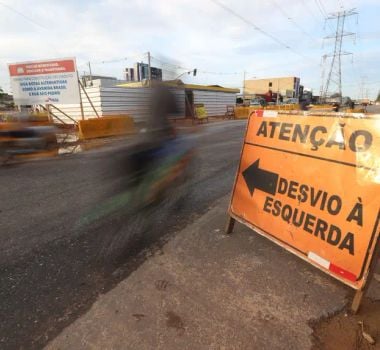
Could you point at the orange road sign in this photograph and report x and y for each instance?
(312, 185)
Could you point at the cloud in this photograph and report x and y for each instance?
(194, 33)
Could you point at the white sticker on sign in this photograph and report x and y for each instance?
(270, 114)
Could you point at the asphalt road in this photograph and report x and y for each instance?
(373, 109)
(51, 271)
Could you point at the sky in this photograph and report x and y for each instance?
(221, 38)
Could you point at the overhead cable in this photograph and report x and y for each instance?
(23, 15)
(259, 29)
(290, 19)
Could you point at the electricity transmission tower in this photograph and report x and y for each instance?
(332, 83)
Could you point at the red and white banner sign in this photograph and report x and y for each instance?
(41, 82)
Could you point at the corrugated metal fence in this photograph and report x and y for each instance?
(110, 101)
(215, 102)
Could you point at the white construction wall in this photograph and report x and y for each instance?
(115, 101)
(215, 102)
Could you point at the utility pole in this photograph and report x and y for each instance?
(278, 91)
(243, 87)
(323, 73)
(149, 70)
(89, 68)
(363, 80)
(361, 94)
(334, 76)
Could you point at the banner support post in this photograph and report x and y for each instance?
(48, 112)
(80, 97)
(88, 98)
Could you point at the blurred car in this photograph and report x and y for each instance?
(291, 101)
(257, 102)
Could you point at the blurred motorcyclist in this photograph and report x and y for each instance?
(158, 130)
(162, 103)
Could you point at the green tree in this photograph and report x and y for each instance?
(378, 97)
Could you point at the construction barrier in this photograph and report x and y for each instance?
(201, 112)
(105, 126)
(356, 110)
(9, 126)
(286, 107)
(39, 115)
(244, 112)
(241, 112)
(321, 108)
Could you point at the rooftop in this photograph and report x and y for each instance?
(180, 84)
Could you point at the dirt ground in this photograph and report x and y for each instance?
(343, 331)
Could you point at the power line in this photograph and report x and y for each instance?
(290, 19)
(165, 63)
(257, 28)
(188, 69)
(340, 3)
(369, 35)
(310, 10)
(221, 73)
(23, 15)
(321, 8)
(373, 82)
(323, 12)
(115, 60)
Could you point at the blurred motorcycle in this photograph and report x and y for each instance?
(25, 139)
(158, 180)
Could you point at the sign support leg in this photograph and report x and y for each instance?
(230, 225)
(357, 301)
(360, 293)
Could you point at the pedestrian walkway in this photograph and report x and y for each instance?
(206, 290)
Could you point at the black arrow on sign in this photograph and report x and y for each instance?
(263, 180)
